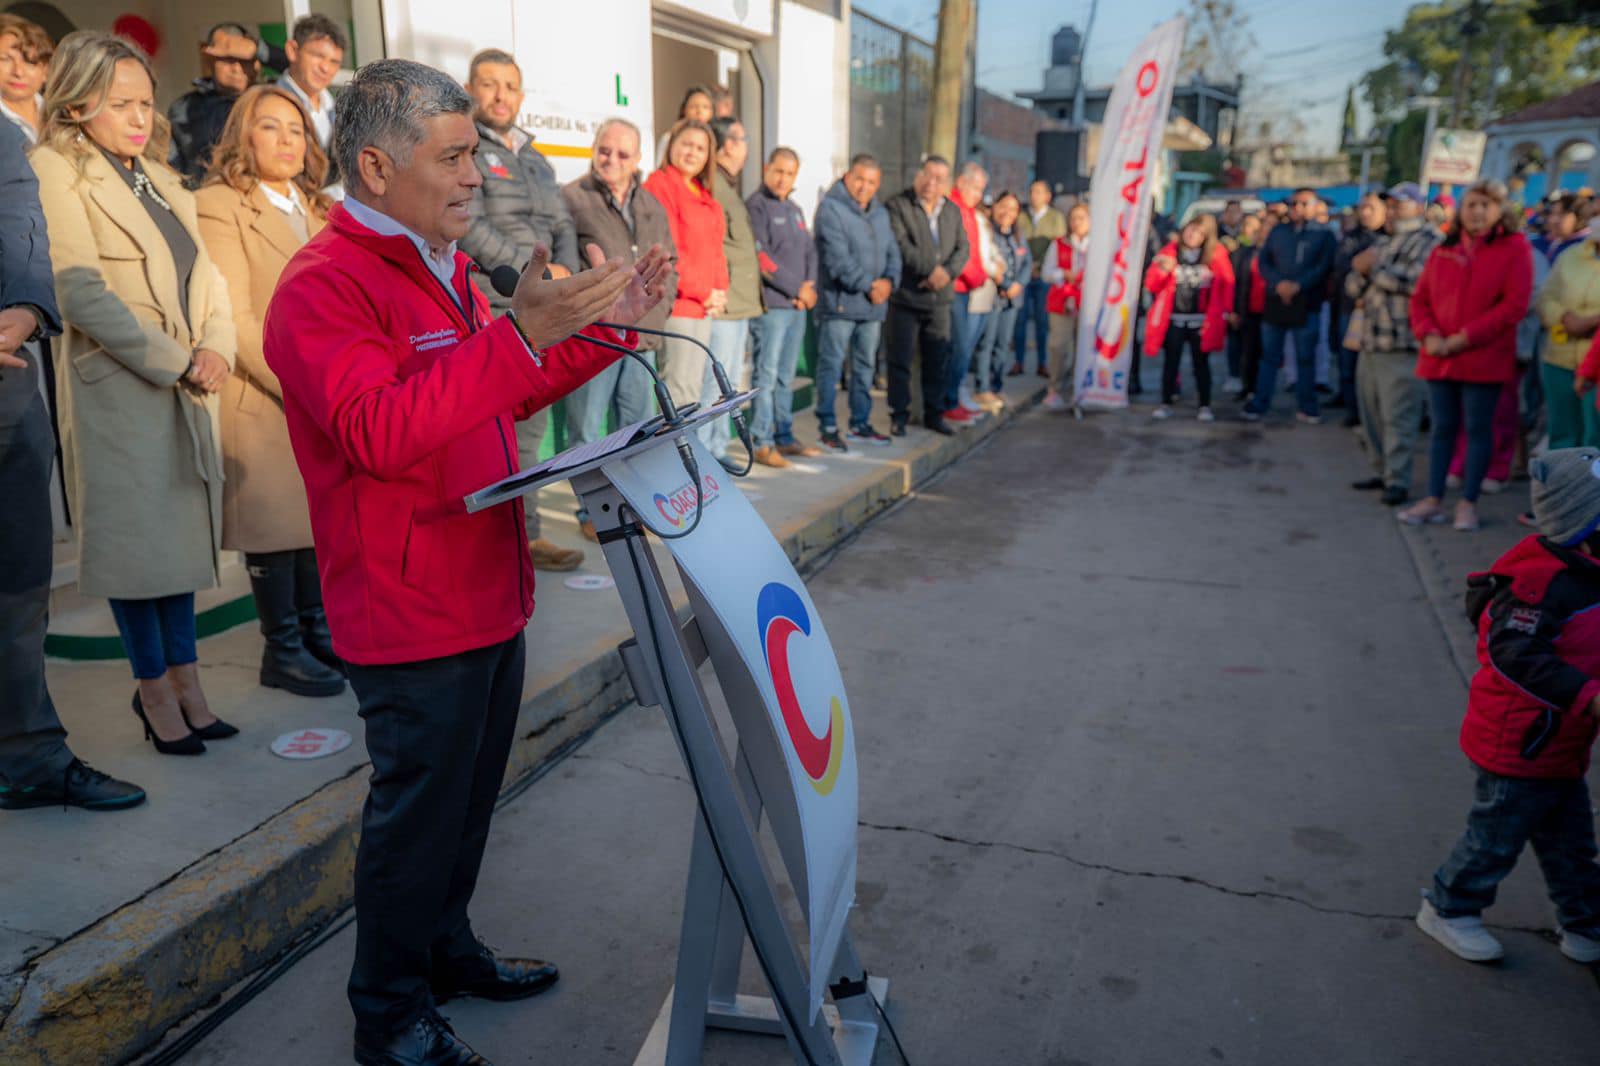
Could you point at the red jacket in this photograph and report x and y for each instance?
(1065, 298)
(975, 273)
(398, 406)
(1539, 662)
(698, 229)
(1482, 287)
(1216, 300)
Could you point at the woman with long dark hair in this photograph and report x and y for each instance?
(1472, 294)
(261, 202)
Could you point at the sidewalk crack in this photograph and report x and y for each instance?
(630, 766)
(1187, 879)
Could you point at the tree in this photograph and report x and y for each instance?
(1507, 59)
(1217, 43)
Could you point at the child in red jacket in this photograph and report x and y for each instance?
(1531, 720)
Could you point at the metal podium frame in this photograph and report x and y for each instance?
(731, 890)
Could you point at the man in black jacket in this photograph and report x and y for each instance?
(198, 115)
(37, 769)
(519, 207)
(933, 249)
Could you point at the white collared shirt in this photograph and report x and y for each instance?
(22, 123)
(289, 205)
(441, 264)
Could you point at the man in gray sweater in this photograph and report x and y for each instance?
(519, 207)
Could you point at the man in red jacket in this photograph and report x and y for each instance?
(401, 395)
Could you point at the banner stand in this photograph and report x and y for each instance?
(731, 892)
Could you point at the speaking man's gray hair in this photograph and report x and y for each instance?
(384, 107)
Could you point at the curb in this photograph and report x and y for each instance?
(114, 988)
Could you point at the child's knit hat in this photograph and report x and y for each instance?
(1566, 494)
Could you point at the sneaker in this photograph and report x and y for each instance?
(1492, 485)
(865, 434)
(958, 415)
(1233, 386)
(796, 450)
(1205, 415)
(1580, 947)
(1453, 481)
(1162, 413)
(831, 440)
(553, 557)
(1465, 937)
(973, 404)
(1249, 415)
(1423, 513)
(767, 455)
(1054, 402)
(989, 401)
(1307, 420)
(80, 785)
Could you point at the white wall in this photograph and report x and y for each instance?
(811, 80)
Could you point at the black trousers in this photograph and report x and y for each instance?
(908, 331)
(439, 733)
(1249, 350)
(33, 746)
(1178, 338)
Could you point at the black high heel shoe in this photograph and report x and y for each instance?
(218, 730)
(189, 745)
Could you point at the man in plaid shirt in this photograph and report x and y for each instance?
(1391, 398)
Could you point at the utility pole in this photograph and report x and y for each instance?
(1083, 55)
(949, 77)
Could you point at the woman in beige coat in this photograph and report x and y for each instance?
(261, 202)
(149, 341)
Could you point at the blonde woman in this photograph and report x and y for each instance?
(260, 203)
(148, 343)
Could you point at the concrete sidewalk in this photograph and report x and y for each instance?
(116, 926)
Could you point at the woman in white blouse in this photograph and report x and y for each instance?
(261, 202)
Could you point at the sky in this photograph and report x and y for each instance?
(1304, 56)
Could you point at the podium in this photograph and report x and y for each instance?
(792, 760)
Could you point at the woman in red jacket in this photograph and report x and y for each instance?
(1473, 292)
(1191, 285)
(698, 226)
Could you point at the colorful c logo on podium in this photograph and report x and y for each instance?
(780, 613)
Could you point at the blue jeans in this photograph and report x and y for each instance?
(1347, 362)
(1449, 401)
(157, 633)
(1305, 358)
(988, 361)
(1556, 817)
(624, 387)
(1034, 313)
(835, 338)
(778, 335)
(966, 329)
(727, 344)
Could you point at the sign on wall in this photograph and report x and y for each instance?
(1454, 157)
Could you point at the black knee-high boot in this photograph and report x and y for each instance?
(308, 605)
(285, 662)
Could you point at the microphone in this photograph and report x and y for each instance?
(505, 278)
(723, 385)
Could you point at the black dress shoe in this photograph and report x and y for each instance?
(1394, 496)
(486, 977)
(80, 785)
(429, 1041)
(1371, 484)
(938, 425)
(897, 427)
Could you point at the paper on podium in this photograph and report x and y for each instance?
(571, 459)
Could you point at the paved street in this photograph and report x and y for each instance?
(1157, 739)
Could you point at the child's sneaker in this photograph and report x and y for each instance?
(1464, 937)
(1580, 947)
